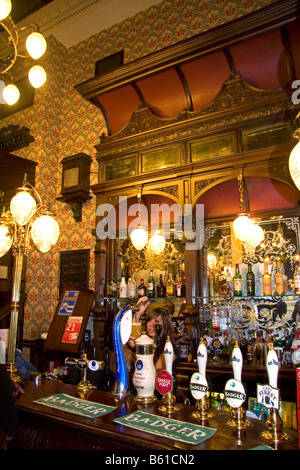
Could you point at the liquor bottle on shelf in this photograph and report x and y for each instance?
(170, 285)
(123, 288)
(132, 286)
(279, 278)
(267, 278)
(178, 287)
(250, 278)
(151, 285)
(250, 344)
(237, 282)
(161, 288)
(142, 289)
(223, 283)
(215, 317)
(297, 278)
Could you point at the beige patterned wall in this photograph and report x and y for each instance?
(63, 124)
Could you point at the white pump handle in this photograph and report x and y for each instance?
(168, 354)
(237, 363)
(272, 367)
(202, 358)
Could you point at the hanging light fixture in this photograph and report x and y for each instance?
(294, 160)
(27, 220)
(35, 45)
(242, 225)
(244, 228)
(139, 236)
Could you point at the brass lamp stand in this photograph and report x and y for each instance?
(28, 219)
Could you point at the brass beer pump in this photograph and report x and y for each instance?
(274, 432)
(84, 387)
(235, 392)
(198, 385)
(169, 398)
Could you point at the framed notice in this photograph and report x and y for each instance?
(74, 267)
(67, 329)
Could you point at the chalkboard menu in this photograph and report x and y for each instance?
(74, 267)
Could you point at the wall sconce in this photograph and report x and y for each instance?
(28, 219)
(139, 236)
(75, 182)
(157, 244)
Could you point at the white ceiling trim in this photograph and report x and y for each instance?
(72, 21)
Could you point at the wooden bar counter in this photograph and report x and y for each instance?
(45, 428)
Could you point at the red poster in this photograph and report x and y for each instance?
(72, 330)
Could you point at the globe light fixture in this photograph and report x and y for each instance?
(5, 239)
(27, 220)
(157, 244)
(244, 228)
(5, 8)
(37, 76)
(294, 160)
(11, 94)
(139, 236)
(36, 45)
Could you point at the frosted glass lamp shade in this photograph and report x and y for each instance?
(294, 165)
(157, 244)
(139, 237)
(5, 240)
(5, 8)
(242, 226)
(37, 76)
(36, 45)
(22, 206)
(11, 94)
(257, 235)
(45, 232)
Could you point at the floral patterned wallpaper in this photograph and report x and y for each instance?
(63, 124)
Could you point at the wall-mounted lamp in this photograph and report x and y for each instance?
(76, 182)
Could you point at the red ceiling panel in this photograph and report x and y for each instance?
(205, 76)
(294, 38)
(261, 61)
(276, 195)
(164, 93)
(119, 105)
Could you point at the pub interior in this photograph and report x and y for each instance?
(149, 229)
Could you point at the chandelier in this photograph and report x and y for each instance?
(28, 219)
(9, 52)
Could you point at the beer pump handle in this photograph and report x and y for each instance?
(237, 362)
(202, 357)
(272, 367)
(168, 354)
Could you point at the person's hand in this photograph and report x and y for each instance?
(132, 340)
(142, 303)
(17, 389)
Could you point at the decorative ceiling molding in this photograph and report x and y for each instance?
(73, 21)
